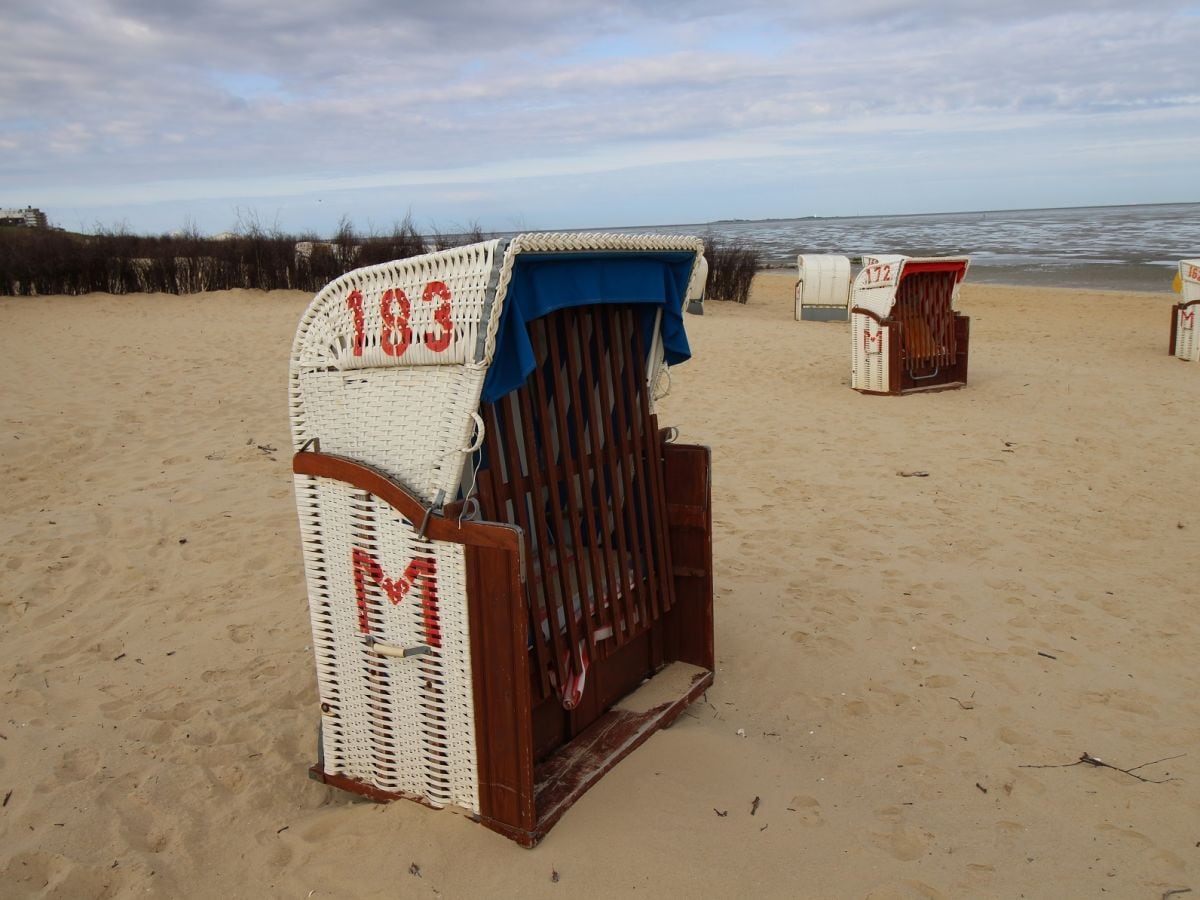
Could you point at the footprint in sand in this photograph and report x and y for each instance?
(905, 890)
(1127, 701)
(1012, 737)
(1128, 835)
(77, 765)
(939, 681)
(904, 842)
(857, 708)
(807, 810)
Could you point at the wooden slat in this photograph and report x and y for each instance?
(590, 456)
(604, 459)
(552, 593)
(621, 482)
(632, 396)
(598, 502)
(494, 493)
(586, 571)
(655, 497)
(923, 307)
(537, 397)
(519, 487)
(501, 684)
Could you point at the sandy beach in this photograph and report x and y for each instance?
(908, 667)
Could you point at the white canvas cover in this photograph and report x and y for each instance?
(823, 280)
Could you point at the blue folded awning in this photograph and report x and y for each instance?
(543, 283)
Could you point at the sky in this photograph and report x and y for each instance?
(157, 115)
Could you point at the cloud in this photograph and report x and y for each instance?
(101, 102)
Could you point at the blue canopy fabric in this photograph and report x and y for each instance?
(543, 283)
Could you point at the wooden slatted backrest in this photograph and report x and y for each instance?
(574, 457)
(923, 307)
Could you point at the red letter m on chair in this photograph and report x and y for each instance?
(421, 568)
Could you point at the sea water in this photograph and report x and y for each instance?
(1107, 247)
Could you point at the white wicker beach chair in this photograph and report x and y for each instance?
(906, 335)
(1184, 341)
(489, 513)
(822, 287)
(695, 294)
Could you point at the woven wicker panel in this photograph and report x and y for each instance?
(1186, 345)
(875, 285)
(412, 423)
(399, 724)
(377, 376)
(869, 354)
(1189, 276)
(396, 314)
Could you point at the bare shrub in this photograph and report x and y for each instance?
(404, 241)
(446, 240)
(731, 269)
(49, 261)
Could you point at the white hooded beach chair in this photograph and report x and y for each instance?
(822, 287)
(1184, 342)
(696, 289)
(906, 335)
(500, 543)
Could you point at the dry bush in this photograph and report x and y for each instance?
(731, 269)
(446, 240)
(403, 242)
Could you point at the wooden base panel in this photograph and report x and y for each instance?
(565, 776)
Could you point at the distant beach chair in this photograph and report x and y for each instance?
(1184, 342)
(500, 543)
(696, 289)
(822, 287)
(906, 333)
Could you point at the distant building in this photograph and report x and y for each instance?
(25, 218)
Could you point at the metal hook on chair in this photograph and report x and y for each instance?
(472, 504)
(438, 501)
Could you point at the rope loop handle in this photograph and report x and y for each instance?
(662, 386)
(480, 431)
